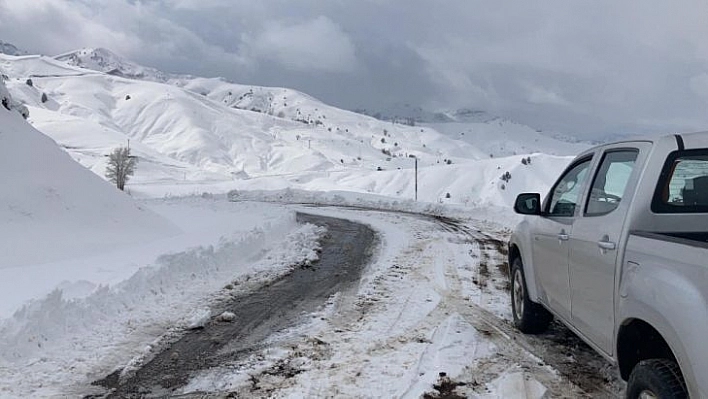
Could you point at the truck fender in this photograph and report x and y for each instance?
(649, 294)
(520, 245)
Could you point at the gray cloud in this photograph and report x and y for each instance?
(585, 68)
(314, 45)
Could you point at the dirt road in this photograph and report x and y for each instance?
(431, 301)
(345, 250)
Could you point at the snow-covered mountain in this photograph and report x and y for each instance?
(104, 60)
(493, 135)
(198, 134)
(499, 137)
(10, 49)
(416, 114)
(202, 123)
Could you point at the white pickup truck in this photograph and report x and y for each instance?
(618, 251)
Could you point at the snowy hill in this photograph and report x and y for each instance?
(499, 137)
(490, 134)
(209, 131)
(103, 60)
(197, 134)
(54, 208)
(415, 114)
(472, 184)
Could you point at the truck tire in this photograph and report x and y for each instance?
(529, 317)
(656, 378)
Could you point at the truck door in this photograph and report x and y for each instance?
(551, 235)
(595, 243)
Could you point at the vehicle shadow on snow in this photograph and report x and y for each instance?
(560, 348)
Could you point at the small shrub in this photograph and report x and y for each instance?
(121, 165)
(506, 177)
(29, 82)
(44, 98)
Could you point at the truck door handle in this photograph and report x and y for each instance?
(605, 243)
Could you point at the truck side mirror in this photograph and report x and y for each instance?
(528, 204)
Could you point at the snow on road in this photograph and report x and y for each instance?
(433, 301)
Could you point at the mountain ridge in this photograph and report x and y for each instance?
(10, 49)
(266, 99)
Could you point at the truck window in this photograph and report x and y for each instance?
(565, 193)
(683, 185)
(610, 181)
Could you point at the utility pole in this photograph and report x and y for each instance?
(416, 178)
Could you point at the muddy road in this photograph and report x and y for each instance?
(382, 336)
(346, 249)
(585, 373)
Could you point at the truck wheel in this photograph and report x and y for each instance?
(656, 378)
(529, 317)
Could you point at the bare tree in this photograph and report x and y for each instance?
(121, 165)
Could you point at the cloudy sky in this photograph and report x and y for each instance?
(586, 68)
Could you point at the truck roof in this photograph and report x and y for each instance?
(688, 140)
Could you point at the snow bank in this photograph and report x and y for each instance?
(499, 215)
(80, 332)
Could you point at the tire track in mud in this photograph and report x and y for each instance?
(590, 374)
(346, 249)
